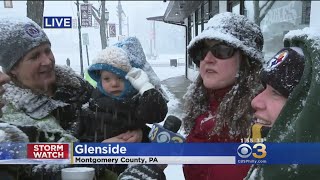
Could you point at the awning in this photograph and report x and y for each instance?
(177, 11)
(156, 18)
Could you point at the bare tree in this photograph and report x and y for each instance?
(35, 11)
(99, 15)
(260, 12)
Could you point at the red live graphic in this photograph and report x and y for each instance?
(47, 151)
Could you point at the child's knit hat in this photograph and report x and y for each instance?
(114, 60)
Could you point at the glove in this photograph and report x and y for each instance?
(10, 133)
(139, 80)
(141, 171)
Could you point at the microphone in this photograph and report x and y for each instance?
(168, 132)
(158, 134)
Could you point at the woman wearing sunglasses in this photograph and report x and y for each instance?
(229, 56)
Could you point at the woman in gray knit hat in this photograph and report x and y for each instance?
(43, 100)
(229, 56)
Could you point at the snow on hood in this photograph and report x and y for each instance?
(310, 33)
(134, 50)
(137, 58)
(307, 35)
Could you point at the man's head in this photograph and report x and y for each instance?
(281, 75)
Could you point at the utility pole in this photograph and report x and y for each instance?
(80, 44)
(154, 37)
(128, 25)
(120, 11)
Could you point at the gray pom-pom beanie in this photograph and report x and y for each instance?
(18, 35)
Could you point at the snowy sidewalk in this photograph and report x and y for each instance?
(175, 84)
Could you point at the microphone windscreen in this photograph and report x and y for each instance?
(172, 123)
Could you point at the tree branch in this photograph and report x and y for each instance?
(256, 12)
(96, 17)
(100, 7)
(95, 10)
(266, 2)
(96, 14)
(267, 9)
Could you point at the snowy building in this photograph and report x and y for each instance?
(275, 19)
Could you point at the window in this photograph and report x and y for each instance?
(198, 19)
(202, 17)
(306, 9)
(8, 4)
(190, 35)
(213, 8)
(236, 6)
(281, 17)
(206, 12)
(236, 9)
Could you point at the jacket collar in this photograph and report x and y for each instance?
(38, 106)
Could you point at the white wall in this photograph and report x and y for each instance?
(19, 8)
(192, 74)
(222, 6)
(315, 14)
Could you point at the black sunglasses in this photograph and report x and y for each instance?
(220, 51)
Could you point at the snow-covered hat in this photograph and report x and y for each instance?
(233, 29)
(137, 59)
(111, 59)
(17, 37)
(132, 46)
(284, 71)
(115, 60)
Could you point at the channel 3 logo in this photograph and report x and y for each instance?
(258, 150)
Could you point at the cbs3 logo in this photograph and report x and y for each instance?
(245, 150)
(165, 137)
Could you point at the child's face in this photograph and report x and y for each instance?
(268, 105)
(111, 83)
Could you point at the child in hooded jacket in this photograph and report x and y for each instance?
(122, 103)
(124, 99)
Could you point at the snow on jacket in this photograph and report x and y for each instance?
(202, 133)
(53, 118)
(108, 117)
(299, 118)
(223, 115)
(30, 117)
(137, 58)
